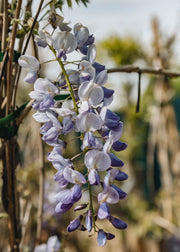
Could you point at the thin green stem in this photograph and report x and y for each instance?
(66, 78)
(91, 206)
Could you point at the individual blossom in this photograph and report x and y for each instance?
(31, 63)
(75, 224)
(64, 43)
(101, 238)
(88, 221)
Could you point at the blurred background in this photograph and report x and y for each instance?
(127, 32)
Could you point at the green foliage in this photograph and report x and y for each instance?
(60, 3)
(123, 50)
(8, 128)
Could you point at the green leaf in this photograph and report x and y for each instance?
(62, 97)
(12, 116)
(7, 130)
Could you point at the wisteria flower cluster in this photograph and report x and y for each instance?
(98, 128)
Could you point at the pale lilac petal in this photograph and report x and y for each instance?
(85, 67)
(109, 195)
(91, 54)
(88, 140)
(102, 238)
(64, 112)
(64, 196)
(46, 127)
(81, 33)
(99, 160)
(88, 121)
(68, 125)
(103, 211)
(65, 41)
(91, 92)
(101, 78)
(88, 221)
(28, 61)
(44, 85)
(47, 102)
(121, 193)
(51, 135)
(41, 117)
(93, 177)
(116, 133)
(73, 176)
(31, 77)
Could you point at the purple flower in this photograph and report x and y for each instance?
(73, 176)
(91, 54)
(81, 33)
(101, 238)
(63, 207)
(32, 64)
(93, 177)
(68, 125)
(119, 146)
(117, 223)
(110, 236)
(88, 221)
(101, 78)
(41, 40)
(121, 176)
(51, 136)
(88, 121)
(95, 159)
(121, 193)
(64, 43)
(75, 224)
(90, 141)
(91, 92)
(103, 211)
(115, 161)
(87, 71)
(64, 196)
(76, 193)
(109, 195)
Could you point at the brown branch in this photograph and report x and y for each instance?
(24, 113)
(23, 52)
(136, 69)
(11, 54)
(5, 25)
